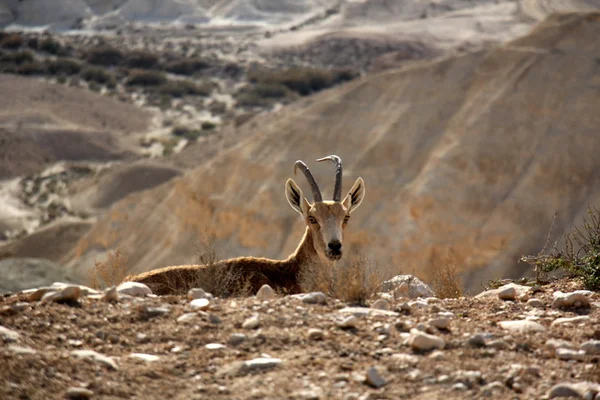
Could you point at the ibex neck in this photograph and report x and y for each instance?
(305, 252)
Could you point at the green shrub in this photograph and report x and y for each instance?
(262, 94)
(33, 43)
(186, 67)
(51, 46)
(580, 256)
(105, 56)
(145, 78)
(64, 66)
(141, 59)
(187, 133)
(208, 126)
(98, 75)
(185, 88)
(12, 41)
(31, 68)
(302, 80)
(18, 58)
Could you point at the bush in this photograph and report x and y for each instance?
(12, 41)
(33, 43)
(19, 57)
(98, 75)
(145, 78)
(580, 256)
(31, 68)
(141, 59)
(301, 80)
(105, 56)
(262, 94)
(109, 272)
(64, 66)
(51, 46)
(187, 133)
(187, 67)
(185, 88)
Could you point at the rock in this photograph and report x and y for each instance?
(258, 364)
(479, 339)
(265, 293)
(350, 322)
(215, 346)
(96, 357)
(440, 323)
(251, 323)
(524, 297)
(491, 388)
(147, 312)
(559, 343)
(568, 354)
(576, 299)
(406, 286)
(200, 304)
(21, 349)
(405, 359)
(236, 338)
(316, 334)
(198, 293)
(187, 317)
(581, 319)
(134, 289)
(522, 326)
(78, 393)
(111, 295)
(424, 342)
(374, 379)
(68, 293)
(144, 357)
(579, 390)
(591, 347)
(8, 335)
(312, 298)
(537, 303)
(364, 311)
(459, 387)
(381, 304)
(437, 355)
(498, 344)
(509, 291)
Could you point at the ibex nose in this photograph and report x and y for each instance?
(335, 246)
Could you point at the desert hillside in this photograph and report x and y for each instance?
(468, 156)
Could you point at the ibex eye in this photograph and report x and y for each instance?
(346, 218)
(312, 220)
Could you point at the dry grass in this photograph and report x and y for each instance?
(354, 280)
(446, 283)
(109, 272)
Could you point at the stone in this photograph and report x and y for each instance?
(537, 303)
(148, 312)
(198, 293)
(576, 299)
(424, 342)
(134, 289)
(381, 304)
(111, 295)
(21, 349)
(187, 317)
(8, 335)
(312, 298)
(364, 311)
(581, 319)
(509, 291)
(78, 393)
(522, 326)
(265, 293)
(406, 286)
(440, 323)
(251, 323)
(200, 304)
(316, 334)
(405, 359)
(350, 322)
(559, 343)
(459, 387)
(498, 344)
(68, 293)
(569, 354)
(591, 347)
(578, 390)
(374, 379)
(215, 346)
(144, 357)
(236, 339)
(259, 364)
(96, 357)
(479, 339)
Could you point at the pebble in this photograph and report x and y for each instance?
(134, 289)
(21, 349)
(187, 317)
(382, 304)
(68, 293)
(576, 299)
(440, 323)
(578, 390)
(537, 303)
(405, 359)
(198, 293)
(423, 342)
(265, 293)
(262, 363)
(8, 335)
(78, 393)
(459, 386)
(144, 357)
(316, 334)
(374, 379)
(498, 344)
(200, 304)
(571, 320)
(251, 323)
(522, 326)
(111, 295)
(148, 312)
(559, 343)
(364, 311)
(312, 298)
(236, 338)
(492, 387)
(406, 286)
(569, 354)
(591, 347)
(96, 357)
(507, 293)
(479, 339)
(350, 322)
(437, 355)
(215, 346)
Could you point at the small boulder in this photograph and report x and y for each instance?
(134, 289)
(421, 341)
(374, 379)
(522, 326)
(251, 323)
(200, 304)
(68, 293)
(406, 286)
(576, 299)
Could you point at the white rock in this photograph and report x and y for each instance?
(316, 334)
(111, 294)
(8, 335)
(405, 359)
(215, 346)
(251, 323)
(406, 286)
(576, 299)
(187, 317)
(424, 342)
(21, 349)
(522, 326)
(581, 319)
(144, 357)
(510, 291)
(85, 290)
(78, 393)
(568, 354)
(591, 347)
(134, 289)
(364, 311)
(200, 304)
(262, 363)
(348, 322)
(559, 343)
(198, 293)
(374, 379)
(96, 357)
(312, 298)
(381, 304)
(440, 323)
(578, 390)
(537, 303)
(507, 293)
(265, 293)
(459, 387)
(437, 355)
(68, 293)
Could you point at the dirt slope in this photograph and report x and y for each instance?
(472, 154)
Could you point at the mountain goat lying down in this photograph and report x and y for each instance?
(322, 243)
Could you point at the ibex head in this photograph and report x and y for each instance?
(325, 219)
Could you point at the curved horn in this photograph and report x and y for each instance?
(311, 180)
(337, 188)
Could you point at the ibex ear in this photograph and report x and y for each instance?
(295, 197)
(355, 196)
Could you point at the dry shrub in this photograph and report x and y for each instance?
(446, 282)
(353, 281)
(109, 272)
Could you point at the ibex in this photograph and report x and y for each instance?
(321, 243)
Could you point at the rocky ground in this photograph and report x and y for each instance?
(520, 342)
